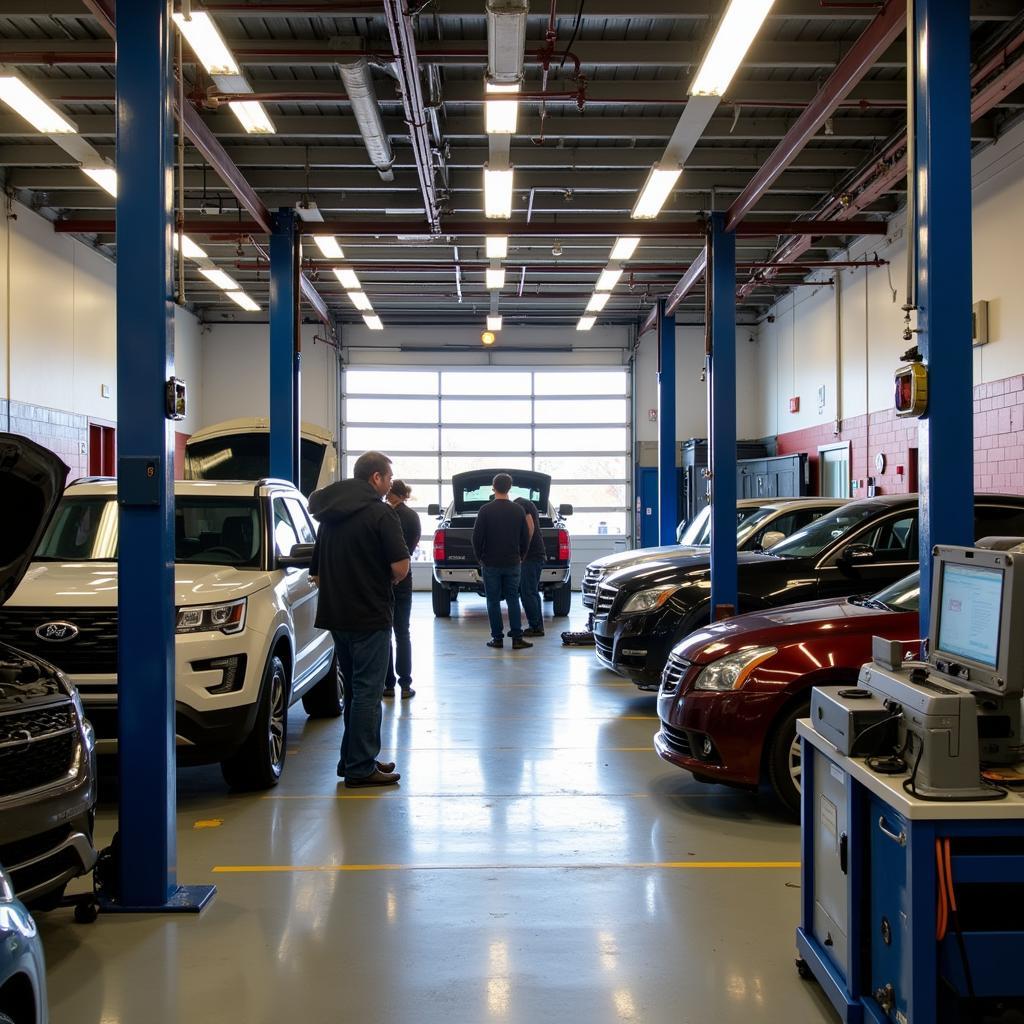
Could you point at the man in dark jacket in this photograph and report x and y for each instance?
(529, 579)
(359, 556)
(400, 661)
(500, 541)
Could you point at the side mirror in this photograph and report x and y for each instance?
(299, 557)
(433, 510)
(857, 554)
(771, 538)
(565, 510)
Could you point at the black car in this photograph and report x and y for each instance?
(47, 748)
(639, 614)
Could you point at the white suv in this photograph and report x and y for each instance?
(246, 645)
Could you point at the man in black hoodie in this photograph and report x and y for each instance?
(360, 555)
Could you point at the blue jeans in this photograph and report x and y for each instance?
(400, 660)
(501, 583)
(363, 659)
(529, 592)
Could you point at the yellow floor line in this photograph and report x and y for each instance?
(714, 865)
(387, 793)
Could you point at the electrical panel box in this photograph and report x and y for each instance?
(138, 480)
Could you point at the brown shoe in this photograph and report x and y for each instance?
(386, 766)
(375, 778)
(519, 644)
(408, 693)
(389, 691)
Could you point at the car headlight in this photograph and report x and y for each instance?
(648, 600)
(732, 671)
(227, 618)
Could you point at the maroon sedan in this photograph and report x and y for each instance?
(731, 693)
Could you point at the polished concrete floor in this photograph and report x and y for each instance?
(538, 863)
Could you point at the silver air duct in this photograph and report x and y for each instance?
(358, 81)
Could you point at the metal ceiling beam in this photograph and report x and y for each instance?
(856, 63)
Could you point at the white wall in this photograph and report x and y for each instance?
(58, 324)
(797, 353)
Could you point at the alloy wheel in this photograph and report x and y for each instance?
(276, 725)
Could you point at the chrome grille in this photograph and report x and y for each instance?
(605, 599)
(591, 579)
(673, 672)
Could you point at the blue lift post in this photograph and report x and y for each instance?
(943, 211)
(721, 376)
(668, 478)
(145, 484)
(285, 353)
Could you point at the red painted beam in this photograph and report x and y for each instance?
(860, 58)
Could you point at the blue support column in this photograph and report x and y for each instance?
(943, 209)
(145, 488)
(668, 477)
(721, 376)
(285, 355)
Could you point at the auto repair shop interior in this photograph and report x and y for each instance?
(733, 287)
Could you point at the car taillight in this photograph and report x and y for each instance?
(564, 547)
(439, 546)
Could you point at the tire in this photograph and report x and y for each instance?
(783, 759)
(441, 596)
(562, 599)
(259, 762)
(327, 698)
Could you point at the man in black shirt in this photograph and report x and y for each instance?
(529, 579)
(500, 541)
(401, 659)
(359, 556)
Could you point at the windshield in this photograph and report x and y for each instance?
(902, 595)
(818, 535)
(698, 533)
(210, 531)
(246, 456)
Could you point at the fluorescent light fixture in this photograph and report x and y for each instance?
(501, 117)
(348, 279)
(609, 279)
(740, 23)
(494, 323)
(656, 190)
(219, 278)
(585, 323)
(498, 192)
(252, 117)
(497, 247)
(207, 43)
(105, 177)
(27, 103)
(373, 322)
(360, 300)
(624, 248)
(328, 245)
(598, 301)
(495, 277)
(497, 88)
(243, 300)
(192, 251)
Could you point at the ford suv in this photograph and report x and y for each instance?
(246, 645)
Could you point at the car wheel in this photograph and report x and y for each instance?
(327, 698)
(442, 599)
(562, 600)
(259, 762)
(784, 760)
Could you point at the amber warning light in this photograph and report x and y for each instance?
(910, 390)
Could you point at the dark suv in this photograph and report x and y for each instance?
(857, 549)
(47, 758)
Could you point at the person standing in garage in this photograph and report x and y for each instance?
(529, 577)
(500, 542)
(400, 662)
(359, 557)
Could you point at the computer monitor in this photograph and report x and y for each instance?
(975, 597)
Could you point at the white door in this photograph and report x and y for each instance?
(834, 471)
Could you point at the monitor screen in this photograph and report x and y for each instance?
(970, 614)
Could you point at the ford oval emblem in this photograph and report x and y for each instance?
(57, 632)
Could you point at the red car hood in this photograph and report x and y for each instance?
(812, 622)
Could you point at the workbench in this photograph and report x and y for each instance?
(870, 891)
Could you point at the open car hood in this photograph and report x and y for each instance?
(472, 490)
(32, 482)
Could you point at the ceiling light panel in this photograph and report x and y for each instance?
(253, 118)
(348, 279)
(328, 245)
(598, 301)
(497, 247)
(609, 279)
(585, 323)
(495, 277)
(244, 301)
(217, 276)
(207, 43)
(360, 300)
(624, 248)
(498, 186)
(192, 251)
(27, 103)
(494, 323)
(657, 188)
(105, 177)
(736, 31)
(501, 117)
(373, 322)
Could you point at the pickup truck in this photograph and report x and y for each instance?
(455, 565)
